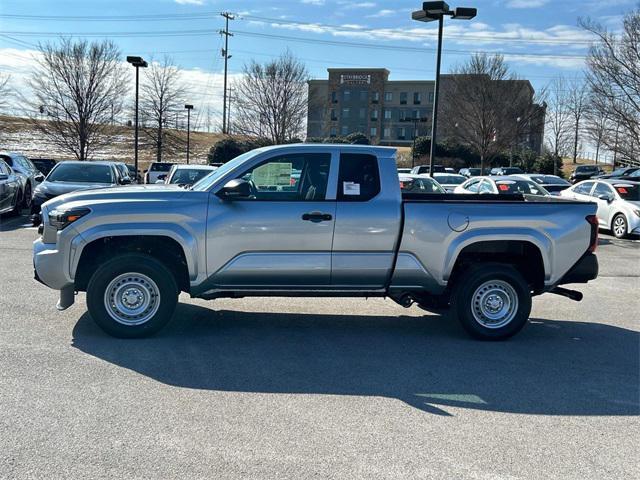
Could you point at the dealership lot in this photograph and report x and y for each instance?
(319, 388)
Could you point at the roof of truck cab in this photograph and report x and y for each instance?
(324, 146)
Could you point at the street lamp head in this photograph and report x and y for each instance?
(137, 61)
(435, 8)
(188, 107)
(465, 13)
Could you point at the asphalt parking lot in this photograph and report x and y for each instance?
(319, 388)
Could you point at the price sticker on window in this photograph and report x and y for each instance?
(350, 188)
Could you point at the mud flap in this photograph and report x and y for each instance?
(67, 298)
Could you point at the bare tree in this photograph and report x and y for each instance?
(271, 99)
(79, 86)
(613, 76)
(5, 90)
(558, 117)
(488, 107)
(597, 126)
(577, 100)
(162, 96)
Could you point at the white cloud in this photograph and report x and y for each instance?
(190, 2)
(382, 13)
(354, 5)
(526, 3)
(313, 2)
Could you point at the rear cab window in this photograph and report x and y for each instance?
(358, 177)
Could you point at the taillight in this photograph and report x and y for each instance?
(593, 241)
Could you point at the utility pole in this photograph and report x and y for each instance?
(229, 112)
(225, 54)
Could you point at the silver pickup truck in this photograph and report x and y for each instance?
(318, 221)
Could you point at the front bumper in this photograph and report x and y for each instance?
(50, 265)
(584, 270)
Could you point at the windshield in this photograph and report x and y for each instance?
(587, 168)
(205, 183)
(511, 170)
(81, 173)
(450, 179)
(185, 176)
(628, 191)
(520, 186)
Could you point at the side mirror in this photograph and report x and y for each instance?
(39, 177)
(125, 181)
(605, 197)
(235, 189)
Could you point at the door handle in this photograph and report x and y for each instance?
(316, 217)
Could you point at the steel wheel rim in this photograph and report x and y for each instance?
(132, 299)
(619, 226)
(494, 304)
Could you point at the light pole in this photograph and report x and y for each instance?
(189, 108)
(137, 62)
(430, 12)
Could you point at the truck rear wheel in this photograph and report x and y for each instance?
(132, 296)
(493, 302)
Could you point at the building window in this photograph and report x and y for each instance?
(401, 133)
(362, 113)
(345, 113)
(333, 132)
(346, 95)
(431, 96)
(386, 133)
(375, 97)
(402, 115)
(344, 130)
(374, 114)
(388, 97)
(373, 131)
(403, 98)
(416, 114)
(387, 114)
(417, 98)
(334, 117)
(334, 97)
(363, 95)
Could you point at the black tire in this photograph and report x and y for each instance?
(505, 282)
(619, 226)
(139, 265)
(26, 198)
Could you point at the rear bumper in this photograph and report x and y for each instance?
(584, 270)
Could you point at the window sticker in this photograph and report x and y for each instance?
(351, 188)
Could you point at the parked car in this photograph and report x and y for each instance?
(419, 184)
(187, 175)
(618, 203)
(403, 170)
(44, 165)
(470, 172)
(156, 170)
(10, 188)
(29, 175)
(449, 170)
(505, 184)
(344, 229)
(133, 173)
(551, 183)
(506, 171)
(71, 176)
(424, 169)
(621, 172)
(449, 181)
(124, 177)
(585, 172)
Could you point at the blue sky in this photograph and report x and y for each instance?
(540, 38)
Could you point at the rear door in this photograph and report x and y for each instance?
(367, 222)
(280, 237)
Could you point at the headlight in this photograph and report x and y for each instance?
(60, 219)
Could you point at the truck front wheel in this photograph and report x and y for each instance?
(132, 296)
(492, 301)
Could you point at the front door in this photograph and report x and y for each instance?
(604, 204)
(279, 237)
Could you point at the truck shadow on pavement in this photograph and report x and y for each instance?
(551, 368)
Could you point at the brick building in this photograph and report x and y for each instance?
(389, 112)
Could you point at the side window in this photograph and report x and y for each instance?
(473, 186)
(584, 188)
(601, 189)
(358, 179)
(485, 187)
(291, 177)
(8, 160)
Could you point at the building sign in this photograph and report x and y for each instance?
(355, 79)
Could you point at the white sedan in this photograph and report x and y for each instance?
(618, 203)
(500, 185)
(187, 175)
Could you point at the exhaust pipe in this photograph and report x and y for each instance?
(565, 292)
(404, 300)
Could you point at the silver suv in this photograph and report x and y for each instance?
(29, 175)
